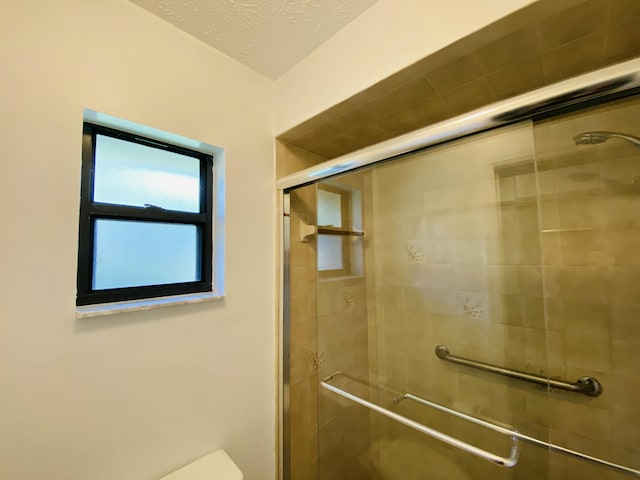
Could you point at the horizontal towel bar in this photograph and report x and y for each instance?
(510, 461)
(586, 385)
(525, 438)
(337, 231)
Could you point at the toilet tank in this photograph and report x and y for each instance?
(213, 466)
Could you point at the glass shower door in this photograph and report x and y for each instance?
(439, 249)
(588, 166)
(448, 301)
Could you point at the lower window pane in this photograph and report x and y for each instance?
(134, 254)
(329, 252)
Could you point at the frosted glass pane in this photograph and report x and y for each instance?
(329, 209)
(133, 254)
(131, 174)
(329, 252)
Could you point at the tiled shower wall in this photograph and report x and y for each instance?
(514, 247)
(303, 350)
(329, 332)
(519, 260)
(452, 270)
(590, 224)
(343, 345)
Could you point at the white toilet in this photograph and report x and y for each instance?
(213, 466)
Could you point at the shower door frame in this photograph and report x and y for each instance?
(617, 81)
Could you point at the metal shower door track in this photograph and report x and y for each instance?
(615, 79)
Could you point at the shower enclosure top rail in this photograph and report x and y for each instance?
(586, 385)
(617, 78)
(510, 461)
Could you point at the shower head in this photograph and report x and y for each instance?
(592, 138)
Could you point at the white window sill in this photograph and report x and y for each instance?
(103, 309)
(344, 278)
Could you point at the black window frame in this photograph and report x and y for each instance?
(90, 211)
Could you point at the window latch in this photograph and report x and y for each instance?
(151, 206)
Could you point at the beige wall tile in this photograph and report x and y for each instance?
(625, 357)
(409, 275)
(436, 277)
(584, 213)
(302, 280)
(507, 188)
(582, 284)
(508, 50)
(554, 314)
(300, 367)
(535, 347)
(456, 73)
(586, 318)
(572, 417)
(622, 11)
(532, 312)
(549, 216)
(438, 250)
(570, 58)
(588, 352)
(299, 308)
(430, 112)
(526, 187)
(469, 96)
(521, 249)
(622, 246)
(583, 248)
(626, 456)
(624, 322)
(578, 469)
(587, 17)
(304, 406)
(411, 93)
(626, 431)
(624, 392)
(551, 249)
(583, 179)
(620, 211)
(625, 285)
(304, 458)
(299, 337)
(622, 41)
(530, 277)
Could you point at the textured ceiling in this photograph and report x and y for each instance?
(269, 36)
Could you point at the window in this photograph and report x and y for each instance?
(146, 218)
(339, 222)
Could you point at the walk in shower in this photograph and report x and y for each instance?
(470, 310)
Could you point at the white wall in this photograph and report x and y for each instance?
(136, 395)
(389, 36)
(131, 396)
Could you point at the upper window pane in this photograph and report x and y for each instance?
(132, 174)
(329, 209)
